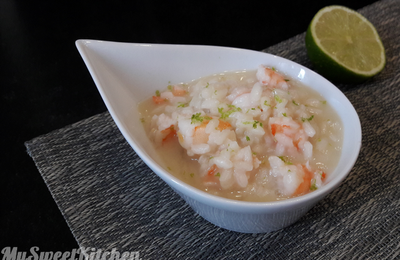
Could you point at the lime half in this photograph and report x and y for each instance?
(344, 46)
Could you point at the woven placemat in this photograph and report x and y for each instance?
(111, 199)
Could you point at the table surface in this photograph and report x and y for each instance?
(46, 86)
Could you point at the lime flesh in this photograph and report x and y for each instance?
(344, 46)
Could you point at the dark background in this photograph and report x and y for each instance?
(45, 85)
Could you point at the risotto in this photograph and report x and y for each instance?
(248, 135)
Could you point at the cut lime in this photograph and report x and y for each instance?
(344, 46)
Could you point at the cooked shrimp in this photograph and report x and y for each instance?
(290, 137)
(250, 98)
(201, 133)
(212, 170)
(306, 183)
(168, 133)
(158, 100)
(292, 180)
(178, 91)
(283, 125)
(270, 77)
(200, 136)
(203, 137)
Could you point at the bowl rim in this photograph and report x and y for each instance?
(210, 199)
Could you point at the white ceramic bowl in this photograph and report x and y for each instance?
(127, 73)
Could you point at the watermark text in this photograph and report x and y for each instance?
(12, 253)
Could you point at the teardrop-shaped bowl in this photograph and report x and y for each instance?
(127, 73)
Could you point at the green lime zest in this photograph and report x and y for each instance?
(285, 159)
(307, 119)
(278, 99)
(197, 118)
(313, 186)
(226, 114)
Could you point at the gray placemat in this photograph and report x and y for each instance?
(111, 199)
